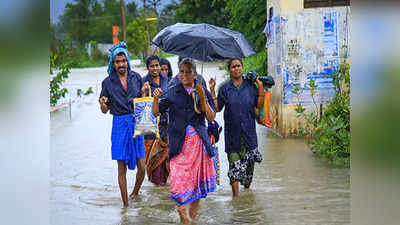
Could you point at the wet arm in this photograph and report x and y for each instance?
(210, 113)
(155, 107)
(214, 97)
(260, 99)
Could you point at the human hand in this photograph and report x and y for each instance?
(103, 100)
(202, 97)
(212, 83)
(146, 87)
(157, 93)
(259, 83)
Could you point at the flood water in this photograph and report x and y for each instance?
(290, 186)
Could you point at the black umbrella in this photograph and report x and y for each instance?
(203, 42)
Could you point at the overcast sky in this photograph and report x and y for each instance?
(57, 7)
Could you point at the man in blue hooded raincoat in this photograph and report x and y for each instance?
(118, 90)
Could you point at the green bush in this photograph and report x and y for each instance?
(330, 133)
(56, 92)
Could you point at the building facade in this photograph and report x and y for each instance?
(306, 40)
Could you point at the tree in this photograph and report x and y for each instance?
(202, 11)
(131, 11)
(166, 17)
(76, 19)
(53, 39)
(123, 19)
(100, 25)
(249, 18)
(87, 20)
(154, 3)
(136, 35)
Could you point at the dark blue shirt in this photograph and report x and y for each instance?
(181, 114)
(120, 102)
(239, 114)
(164, 117)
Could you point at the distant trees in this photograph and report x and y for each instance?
(87, 20)
(202, 11)
(247, 17)
(136, 35)
(92, 20)
(166, 17)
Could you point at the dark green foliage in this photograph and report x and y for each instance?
(88, 91)
(202, 11)
(330, 133)
(136, 33)
(256, 62)
(79, 92)
(87, 20)
(245, 16)
(249, 18)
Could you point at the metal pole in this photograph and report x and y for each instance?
(202, 68)
(147, 27)
(123, 19)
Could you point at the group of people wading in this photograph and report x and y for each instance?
(183, 152)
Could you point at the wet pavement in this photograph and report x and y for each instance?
(290, 186)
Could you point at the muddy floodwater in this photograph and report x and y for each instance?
(290, 186)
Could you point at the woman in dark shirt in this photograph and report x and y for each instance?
(191, 168)
(156, 149)
(240, 97)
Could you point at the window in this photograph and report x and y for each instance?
(325, 3)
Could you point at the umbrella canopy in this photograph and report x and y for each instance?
(203, 42)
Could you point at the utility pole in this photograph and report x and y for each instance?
(147, 27)
(123, 19)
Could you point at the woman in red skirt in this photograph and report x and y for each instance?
(192, 171)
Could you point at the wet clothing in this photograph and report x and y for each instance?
(157, 168)
(192, 170)
(156, 156)
(120, 102)
(239, 114)
(182, 114)
(241, 165)
(162, 125)
(123, 146)
(115, 50)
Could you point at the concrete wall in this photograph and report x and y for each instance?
(303, 44)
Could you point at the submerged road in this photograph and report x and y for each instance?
(290, 186)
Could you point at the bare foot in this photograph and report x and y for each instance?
(194, 207)
(132, 195)
(183, 215)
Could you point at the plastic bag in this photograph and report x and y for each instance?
(145, 122)
(263, 116)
